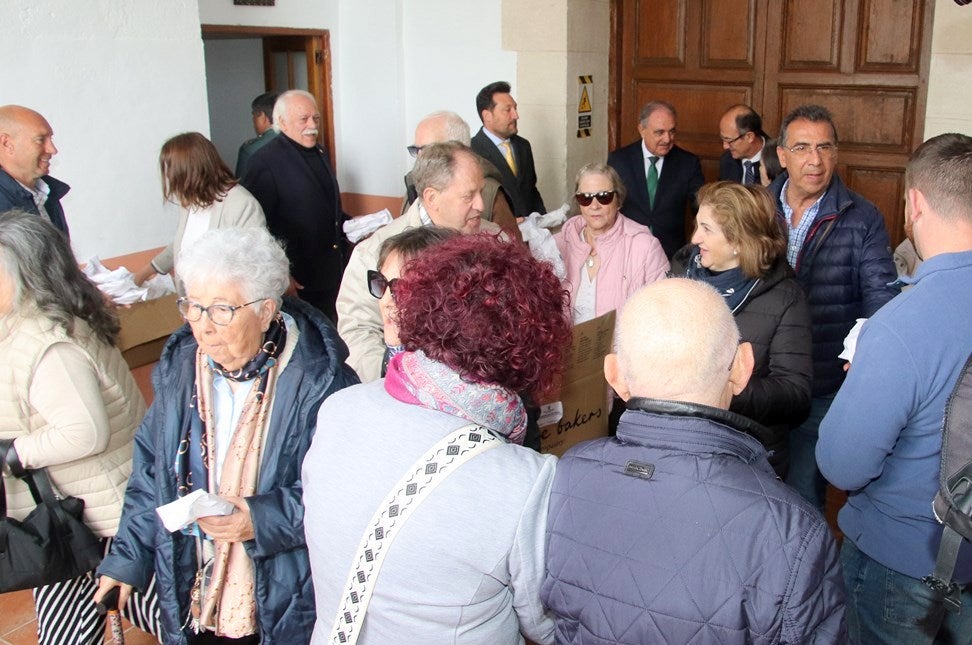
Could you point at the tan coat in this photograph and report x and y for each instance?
(99, 479)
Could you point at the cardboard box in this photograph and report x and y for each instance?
(581, 412)
(145, 326)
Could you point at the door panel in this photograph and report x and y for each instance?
(865, 60)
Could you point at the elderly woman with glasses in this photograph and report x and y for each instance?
(480, 320)
(236, 397)
(607, 256)
(739, 248)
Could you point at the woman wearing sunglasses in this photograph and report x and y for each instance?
(395, 253)
(607, 256)
(739, 249)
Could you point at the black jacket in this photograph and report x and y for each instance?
(680, 179)
(775, 319)
(14, 196)
(521, 187)
(303, 210)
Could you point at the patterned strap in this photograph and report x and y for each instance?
(419, 480)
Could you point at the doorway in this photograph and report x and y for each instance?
(243, 62)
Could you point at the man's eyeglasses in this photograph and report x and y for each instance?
(220, 314)
(604, 197)
(377, 283)
(825, 150)
(729, 141)
(414, 150)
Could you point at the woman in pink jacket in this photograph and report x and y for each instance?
(607, 256)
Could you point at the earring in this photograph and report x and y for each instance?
(735, 251)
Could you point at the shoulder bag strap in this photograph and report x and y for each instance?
(419, 480)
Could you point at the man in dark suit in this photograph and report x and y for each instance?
(498, 142)
(741, 131)
(661, 178)
(292, 179)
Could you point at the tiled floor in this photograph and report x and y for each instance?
(17, 625)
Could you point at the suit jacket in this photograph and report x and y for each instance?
(681, 177)
(302, 208)
(730, 169)
(522, 187)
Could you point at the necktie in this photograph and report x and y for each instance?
(508, 153)
(652, 180)
(749, 172)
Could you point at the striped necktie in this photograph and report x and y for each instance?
(749, 174)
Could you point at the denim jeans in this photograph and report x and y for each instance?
(884, 606)
(803, 474)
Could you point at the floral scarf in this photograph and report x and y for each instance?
(415, 378)
(224, 596)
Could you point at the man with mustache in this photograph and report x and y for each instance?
(292, 179)
(26, 148)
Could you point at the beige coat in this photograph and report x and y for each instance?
(99, 479)
(359, 319)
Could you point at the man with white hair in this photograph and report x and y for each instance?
(442, 126)
(449, 180)
(291, 177)
(677, 530)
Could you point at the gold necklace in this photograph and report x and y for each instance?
(592, 256)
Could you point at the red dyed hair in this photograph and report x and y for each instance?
(487, 309)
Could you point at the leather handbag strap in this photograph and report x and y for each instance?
(419, 480)
(37, 480)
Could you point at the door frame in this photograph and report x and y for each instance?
(318, 48)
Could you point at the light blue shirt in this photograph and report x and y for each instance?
(798, 233)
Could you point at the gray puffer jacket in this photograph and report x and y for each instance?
(677, 531)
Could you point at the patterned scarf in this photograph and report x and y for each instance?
(415, 378)
(224, 597)
(733, 285)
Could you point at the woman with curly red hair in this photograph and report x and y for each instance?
(480, 320)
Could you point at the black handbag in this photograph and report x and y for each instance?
(52, 543)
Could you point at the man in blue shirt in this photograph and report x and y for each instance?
(881, 440)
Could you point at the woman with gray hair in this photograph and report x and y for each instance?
(607, 256)
(68, 404)
(236, 397)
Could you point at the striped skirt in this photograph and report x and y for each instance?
(66, 611)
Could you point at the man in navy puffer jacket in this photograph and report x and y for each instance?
(677, 530)
(840, 251)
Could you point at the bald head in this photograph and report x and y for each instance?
(440, 127)
(26, 144)
(741, 131)
(677, 340)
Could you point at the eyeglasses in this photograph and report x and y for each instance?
(377, 283)
(604, 197)
(414, 150)
(825, 150)
(728, 141)
(220, 314)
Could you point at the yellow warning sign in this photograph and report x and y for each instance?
(585, 100)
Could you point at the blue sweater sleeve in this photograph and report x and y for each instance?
(870, 410)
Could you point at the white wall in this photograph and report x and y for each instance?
(949, 107)
(114, 79)
(234, 77)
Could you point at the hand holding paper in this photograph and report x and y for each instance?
(178, 514)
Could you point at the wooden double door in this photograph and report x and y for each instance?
(865, 60)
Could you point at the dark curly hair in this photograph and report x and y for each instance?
(487, 309)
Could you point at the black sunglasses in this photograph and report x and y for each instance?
(414, 150)
(377, 283)
(604, 197)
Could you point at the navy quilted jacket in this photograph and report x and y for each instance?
(846, 270)
(677, 531)
(284, 591)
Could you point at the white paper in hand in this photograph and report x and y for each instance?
(178, 514)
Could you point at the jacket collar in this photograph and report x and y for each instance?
(693, 427)
(835, 201)
(8, 184)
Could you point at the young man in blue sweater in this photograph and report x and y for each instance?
(881, 440)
